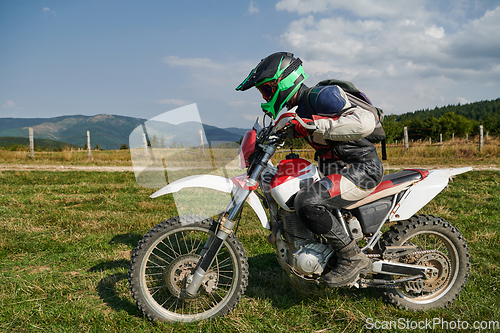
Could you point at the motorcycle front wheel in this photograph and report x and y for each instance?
(165, 258)
(439, 245)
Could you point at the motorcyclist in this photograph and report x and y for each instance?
(337, 131)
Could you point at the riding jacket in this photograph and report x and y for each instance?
(341, 127)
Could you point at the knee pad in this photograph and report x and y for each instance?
(309, 196)
(316, 218)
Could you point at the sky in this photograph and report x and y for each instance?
(144, 58)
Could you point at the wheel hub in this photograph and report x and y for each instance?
(178, 272)
(181, 269)
(437, 277)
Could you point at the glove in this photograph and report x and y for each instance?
(283, 121)
(299, 131)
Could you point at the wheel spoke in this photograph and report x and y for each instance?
(171, 247)
(157, 256)
(165, 253)
(155, 264)
(177, 241)
(157, 289)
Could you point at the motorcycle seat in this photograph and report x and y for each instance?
(391, 184)
(404, 176)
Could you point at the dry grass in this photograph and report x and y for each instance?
(458, 153)
(68, 157)
(449, 153)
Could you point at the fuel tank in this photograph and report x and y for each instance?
(291, 176)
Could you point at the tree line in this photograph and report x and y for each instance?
(452, 119)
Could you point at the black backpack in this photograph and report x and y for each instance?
(356, 98)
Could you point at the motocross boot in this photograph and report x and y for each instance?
(351, 262)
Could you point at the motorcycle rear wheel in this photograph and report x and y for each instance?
(165, 258)
(441, 246)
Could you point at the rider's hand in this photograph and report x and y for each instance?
(300, 131)
(284, 121)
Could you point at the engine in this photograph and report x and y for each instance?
(306, 255)
(295, 231)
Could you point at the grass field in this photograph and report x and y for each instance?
(65, 239)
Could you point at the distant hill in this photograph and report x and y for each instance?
(478, 111)
(6, 142)
(107, 131)
(458, 120)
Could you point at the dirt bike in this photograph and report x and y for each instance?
(190, 268)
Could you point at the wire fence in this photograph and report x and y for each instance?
(412, 137)
(480, 139)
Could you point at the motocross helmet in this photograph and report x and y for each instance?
(278, 77)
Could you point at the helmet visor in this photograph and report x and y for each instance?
(267, 90)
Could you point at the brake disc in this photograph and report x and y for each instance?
(181, 269)
(435, 279)
(178, 271)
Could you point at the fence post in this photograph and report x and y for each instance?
(145, 142)
(430, 141)
(440, 138)
(466, 138)
(32, 144)
(486, 138)
(453, 137)
(481, 141)
(396, 141)
(88, 143)
(406, 137)
(200, 132)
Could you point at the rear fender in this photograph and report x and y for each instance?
(216, 183)
(421, 193)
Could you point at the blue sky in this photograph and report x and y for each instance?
(144, 58)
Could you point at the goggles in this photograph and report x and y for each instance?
(267, 90)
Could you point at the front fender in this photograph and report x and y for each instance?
(216, 183)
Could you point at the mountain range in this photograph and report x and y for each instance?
(108, 131)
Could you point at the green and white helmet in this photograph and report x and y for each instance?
(278, 77)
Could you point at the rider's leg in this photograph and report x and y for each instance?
(313, 205)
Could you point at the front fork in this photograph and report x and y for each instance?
(226, 224)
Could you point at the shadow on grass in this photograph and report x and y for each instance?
(128, 239)
(113, 288)
(267, 280)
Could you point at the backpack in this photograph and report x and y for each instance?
(359, 99)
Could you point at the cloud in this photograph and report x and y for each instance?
(435, 32)
(479, 38)
(9, 104)
(173, 101)
(251, 117)
(253, 8)
(192, 62)
(209, 74)
(243, 103)
(361, 8)
(46, 10)
(382, 45)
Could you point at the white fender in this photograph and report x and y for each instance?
(422, 192)
(216, 183)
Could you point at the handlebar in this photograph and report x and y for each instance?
(306, 126)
